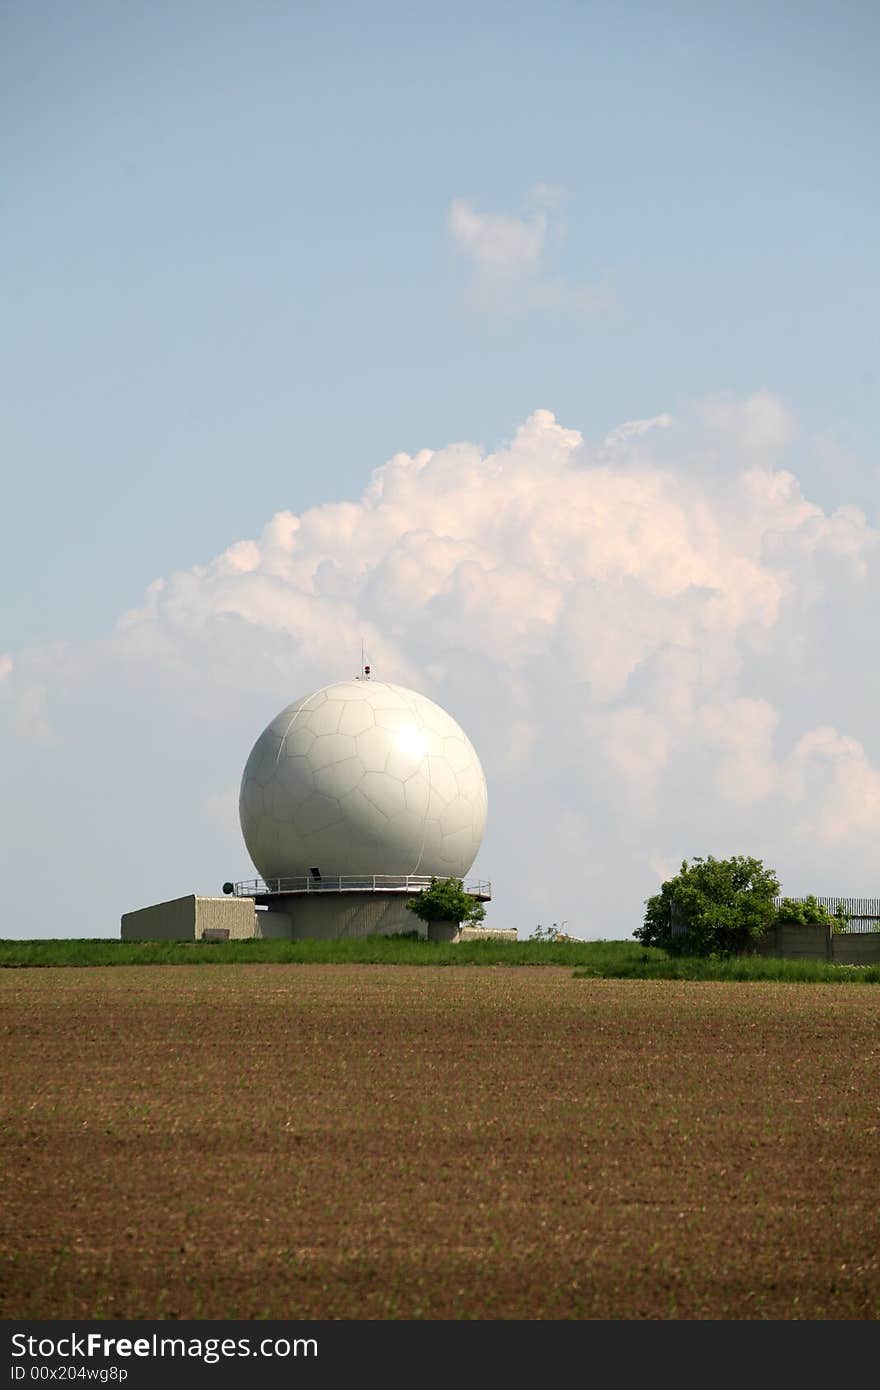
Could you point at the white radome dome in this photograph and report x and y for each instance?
(363, 777)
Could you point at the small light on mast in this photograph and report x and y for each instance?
(365, 670)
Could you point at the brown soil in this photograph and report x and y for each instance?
(385, 1142)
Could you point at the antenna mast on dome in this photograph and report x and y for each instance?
(365, 670)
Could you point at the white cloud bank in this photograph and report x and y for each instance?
(646, 651)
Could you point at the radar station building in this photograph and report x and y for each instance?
(353, 798)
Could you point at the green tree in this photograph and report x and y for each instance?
(713, 907)
(446, 901)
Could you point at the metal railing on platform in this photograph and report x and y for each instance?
(349, 883)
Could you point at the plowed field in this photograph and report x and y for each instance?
(372, 1142)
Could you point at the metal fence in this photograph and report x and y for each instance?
(349, 883)
(863, 914)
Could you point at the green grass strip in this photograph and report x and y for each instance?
(371, 950)
(610, 960)
(640, 965)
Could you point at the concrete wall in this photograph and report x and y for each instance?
(274, 926)
(857, 948)
(487, 934)
(796, 943)
(236, 915)
(821, 943)
(452, 931)
(171, 921)
(442, 931)
(325, 916)
(185, 919)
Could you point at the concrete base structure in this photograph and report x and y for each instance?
(296, 916)
(190, 918)
(330, 916)
(286, 917)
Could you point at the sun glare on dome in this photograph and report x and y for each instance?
(409, 739)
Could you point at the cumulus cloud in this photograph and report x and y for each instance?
(632, 429)
(29, 718)
(614, 629)
(832, 784)
(510, 257)
(761, 422)
(496, 242)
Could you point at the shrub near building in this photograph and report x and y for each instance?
(713, 907)
(446, 901)
(809, 912)
(722, 907)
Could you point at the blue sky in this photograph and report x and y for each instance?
(251, 252)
